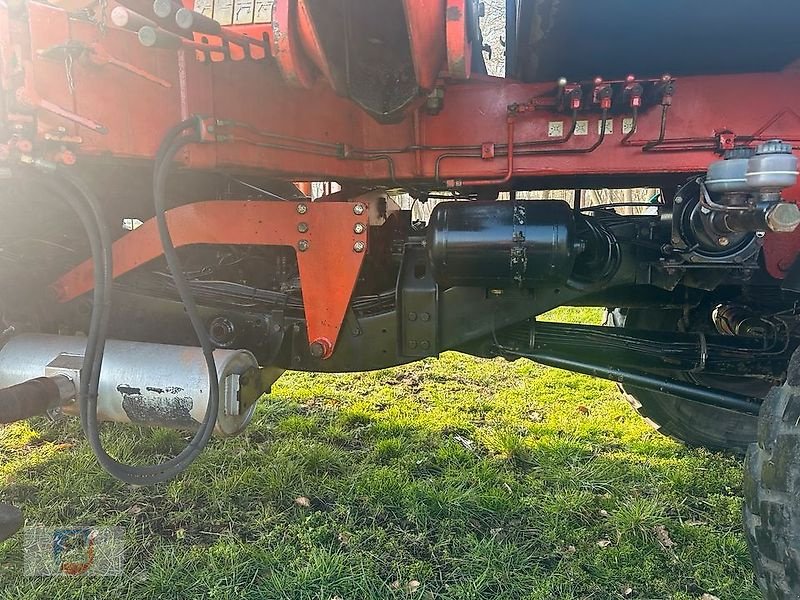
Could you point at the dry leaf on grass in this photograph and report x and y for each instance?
(663, 536)
(708, 597)
(410, 587)
(302, 501)
(467, 443)
(604, 543)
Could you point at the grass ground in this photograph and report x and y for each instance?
(455, 478)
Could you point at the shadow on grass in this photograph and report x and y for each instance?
(458, 478)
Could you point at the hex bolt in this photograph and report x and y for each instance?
(425, 317)
(302, 209)
(412, 316)
(302, 227)
(320, 348)
(424, 344)
(359, 247)
(359, 228)
(723, 241)
(678, 200)
(303, 245)
(412, 344)
(359, 209)
(783, 217)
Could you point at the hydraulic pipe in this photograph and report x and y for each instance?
(689, 391)
(509, 161)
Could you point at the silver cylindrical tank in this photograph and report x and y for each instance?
(730, 174)
(141, 383)
(773, 167)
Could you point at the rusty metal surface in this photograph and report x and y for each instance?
(459, 44)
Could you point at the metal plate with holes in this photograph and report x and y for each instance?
(418, 303)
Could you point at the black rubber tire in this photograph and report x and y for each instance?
(689, 422)
(772, 491)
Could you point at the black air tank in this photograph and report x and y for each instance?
(497, 244)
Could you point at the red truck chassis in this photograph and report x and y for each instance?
(199, 127)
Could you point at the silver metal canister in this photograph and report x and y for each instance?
(141, 383)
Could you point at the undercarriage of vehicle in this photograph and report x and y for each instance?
(157, 221)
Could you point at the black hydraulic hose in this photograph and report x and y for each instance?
(90, 214)
(100, 241)
(96, 341)
(90, 225)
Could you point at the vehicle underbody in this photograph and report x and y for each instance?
(190, 135)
